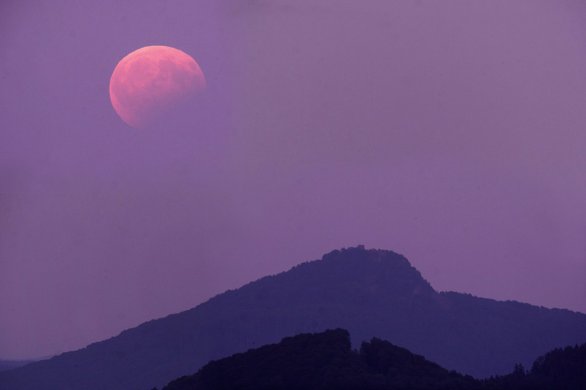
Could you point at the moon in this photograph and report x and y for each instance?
(151, 82)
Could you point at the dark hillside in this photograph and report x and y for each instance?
(323, 361)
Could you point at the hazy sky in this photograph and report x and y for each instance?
(452, 132)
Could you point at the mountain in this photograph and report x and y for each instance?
(326, 361)
(560, 369)
(321, 362)
(10, 364)
(372, 293)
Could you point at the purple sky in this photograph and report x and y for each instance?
(452, 132)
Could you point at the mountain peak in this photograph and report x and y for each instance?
(370, 292)
(375, 267)
(360, 252)
(360, 255)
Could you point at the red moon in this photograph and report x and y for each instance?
(151, 81)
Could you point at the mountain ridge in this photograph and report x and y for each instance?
(322, 361)
(373, 293)
(326, 360)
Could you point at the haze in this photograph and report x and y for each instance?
(451, 132)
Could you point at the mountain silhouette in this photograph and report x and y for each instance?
(11, 364)
(323, 361)
(372, 293)
(326, 361)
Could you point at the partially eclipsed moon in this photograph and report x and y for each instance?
(151, 81)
